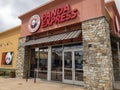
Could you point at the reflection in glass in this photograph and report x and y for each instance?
(68, 65)
(43, 59)
(73, 46)
(78, 65)
(33, 61)
(68, 74)
(56, 73)
(68, 59)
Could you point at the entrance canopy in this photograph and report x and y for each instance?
(58, 37)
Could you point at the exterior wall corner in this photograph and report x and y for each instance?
(20, 58)
(97, 55)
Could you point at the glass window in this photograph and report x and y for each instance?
(39, 59)
(68, 65)
(115, 61)
(43, 60)
(78, 65)
(73, 46)
(56, 70)
(78, 59)
(33, 62)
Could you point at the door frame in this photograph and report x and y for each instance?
(73, 81)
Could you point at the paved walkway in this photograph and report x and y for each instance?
(21, 84)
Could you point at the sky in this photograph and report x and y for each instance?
(11, 9)
(118, 5)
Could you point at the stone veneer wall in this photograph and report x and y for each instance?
(97, 56)
(22, 63)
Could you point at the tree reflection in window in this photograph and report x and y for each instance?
(56, 73)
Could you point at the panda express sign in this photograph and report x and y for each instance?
(55, 16)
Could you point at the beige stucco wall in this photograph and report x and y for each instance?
(9, 42)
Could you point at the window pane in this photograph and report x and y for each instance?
(56, 72)
(43, 60)
(33, 62)
(73, 46)
(78, 65)
(68, 65)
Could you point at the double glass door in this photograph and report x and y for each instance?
(73, 67)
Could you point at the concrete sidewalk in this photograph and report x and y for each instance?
(21, 84)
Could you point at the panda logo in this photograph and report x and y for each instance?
(8, 58)
(34, 23)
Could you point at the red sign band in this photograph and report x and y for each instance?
(54, 16)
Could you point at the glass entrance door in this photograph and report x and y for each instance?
(68, 66)
(78, 67)
(73, 67)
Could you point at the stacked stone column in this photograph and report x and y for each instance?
(97, 56)
(20, 63)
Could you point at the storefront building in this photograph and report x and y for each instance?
(8, 48)
(70, 41)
